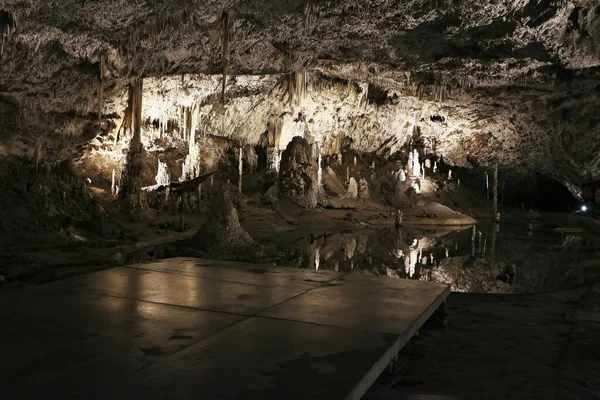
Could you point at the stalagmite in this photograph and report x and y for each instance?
(416, 186)
(449, 174)
(428, 163)
(319, 173)
(434, 167)
(240, 170)
(373, 165)
(363, 189)
(352, 192)
(355, 161)
(298, 176)
(113, 186)
(423, 171)
(347, 174)
(162, 176)
(416, 166)
(402, 175)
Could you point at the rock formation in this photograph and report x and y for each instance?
(162, 176)
(363, 189)
(298, 174)
(352, 192)
(222, 230)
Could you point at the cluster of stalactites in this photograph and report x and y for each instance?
(297, 83)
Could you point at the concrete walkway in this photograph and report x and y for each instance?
(203, 329)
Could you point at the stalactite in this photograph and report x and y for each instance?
(113, 185)
(191, 165)
(296, 87)
(185, 113)
(225, 38)
(101, 90)
(8, 27)
(309, 10)
(274, 128)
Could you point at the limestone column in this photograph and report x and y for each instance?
(132, 171)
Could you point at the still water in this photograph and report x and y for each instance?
(481, 259)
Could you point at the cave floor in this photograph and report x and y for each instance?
(185, 327)
(505, 347)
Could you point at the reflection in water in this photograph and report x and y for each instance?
(463, 258)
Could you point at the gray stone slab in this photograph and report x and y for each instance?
(263, 359)
(60, 345)
(144, 332)
(377, 304)
(234, 271)
(177, 289)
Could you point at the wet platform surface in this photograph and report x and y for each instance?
(193, 328)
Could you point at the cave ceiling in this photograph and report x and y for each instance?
(526, 69)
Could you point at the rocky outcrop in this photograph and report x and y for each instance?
(298, 174)
(222, 231)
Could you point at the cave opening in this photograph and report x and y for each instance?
(537, 191)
